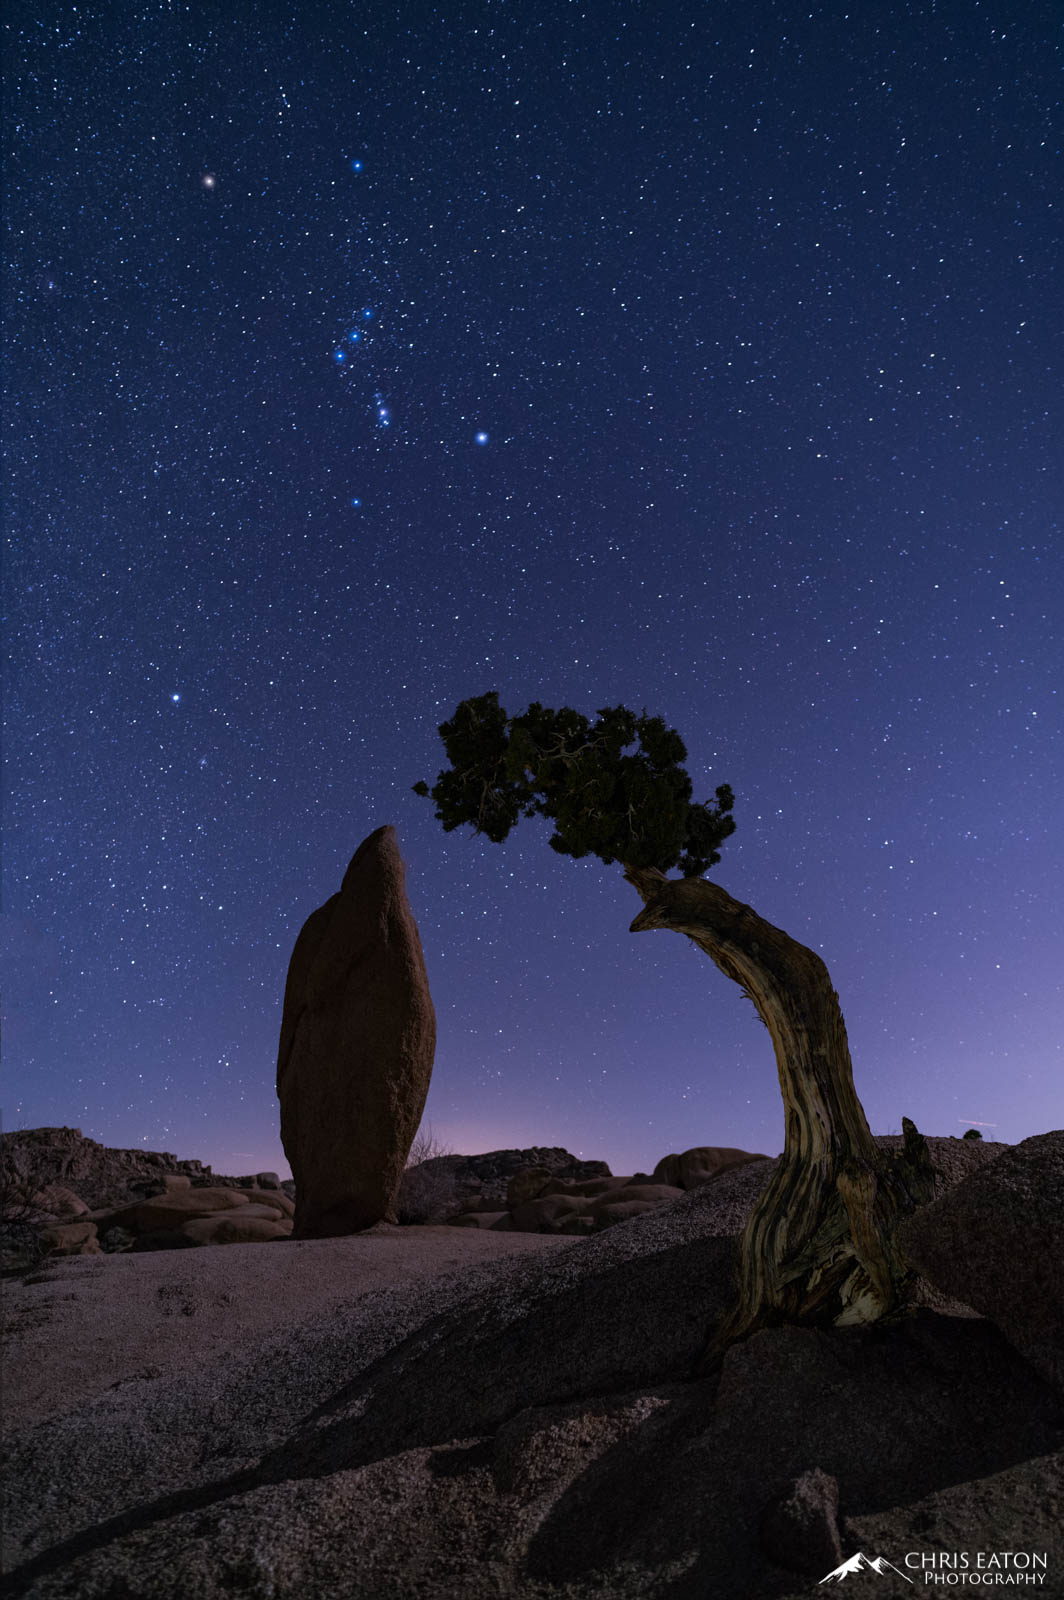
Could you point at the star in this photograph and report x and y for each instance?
(481, 438)
(209, 181)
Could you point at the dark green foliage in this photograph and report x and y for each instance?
(973, 1133)
(635, 808)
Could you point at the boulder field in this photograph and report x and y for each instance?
(542, 1200)
(178, 1216)
(67, 1195)
(62, 1194)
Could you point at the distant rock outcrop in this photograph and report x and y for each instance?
(546, 1193)
(37, 1158)
(62, 1194)
(437, 1189)
(358, 1035)
(548, 1190)
(535, 1202)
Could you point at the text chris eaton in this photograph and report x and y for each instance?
(979, 1566)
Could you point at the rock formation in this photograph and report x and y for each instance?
(172, 1218)
(155, 1202)
(532, 1427)
(549, 1191)
(546, 1194)
(996, 1241)
(435, 1189)
(700, 1165)
(111, 1201)
(358, 1034)
(36, 1158)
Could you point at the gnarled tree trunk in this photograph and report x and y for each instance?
(819, 1245)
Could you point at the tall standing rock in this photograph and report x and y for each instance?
(358, 1033)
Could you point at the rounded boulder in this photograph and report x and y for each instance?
(656, 1194)
(526, 1184)
(172, 1209)
(476, 1219)
(55, 1200)
(70, 1239)
(588, 1187)
(537, 1215)
(701, 1164)
(609, 1216)
(275, 1199)
(236, 1228)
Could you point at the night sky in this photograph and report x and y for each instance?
(698, 357)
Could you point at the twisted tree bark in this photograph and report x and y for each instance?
(819, 1245)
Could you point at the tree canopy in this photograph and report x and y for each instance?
(634, 807)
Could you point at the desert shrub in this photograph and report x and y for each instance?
(426, 1191)
(973, 1133)
(20, 1244)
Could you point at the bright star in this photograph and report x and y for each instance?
(356, 166)
(339, 355)
(356, 501)
(209, 181)
(367, 313)
(482, 438)
(176, 698)
(354, 336)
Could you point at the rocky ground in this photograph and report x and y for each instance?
(525, 1424)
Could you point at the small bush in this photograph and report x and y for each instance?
(973, 1133)
(426, 1191)
(20, 1244)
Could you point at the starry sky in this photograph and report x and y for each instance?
(694, 356)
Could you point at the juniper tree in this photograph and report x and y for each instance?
(633, 808)
(819, 1246)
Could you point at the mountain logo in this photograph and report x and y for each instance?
(861, 1563)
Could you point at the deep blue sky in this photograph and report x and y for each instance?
(757, 310)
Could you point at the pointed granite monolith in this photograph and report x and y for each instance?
(358, 1033)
